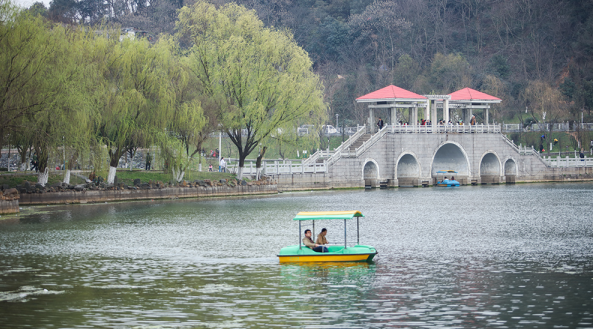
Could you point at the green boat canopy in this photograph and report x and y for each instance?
(317, 215)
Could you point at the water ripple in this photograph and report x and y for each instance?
(492, 256)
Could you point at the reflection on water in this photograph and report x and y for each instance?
(499, 256)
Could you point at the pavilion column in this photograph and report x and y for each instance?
(486, 116)
(467, 115)
(372, 120)
(446, 111)
(394, 115)
(434, 115)
(427, 110)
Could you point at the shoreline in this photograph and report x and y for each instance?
(12, 206)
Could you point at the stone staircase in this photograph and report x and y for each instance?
(361, 140)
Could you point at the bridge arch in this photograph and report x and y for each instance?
(511, 170)
(451, 156)
(407, 169)
(490, 168)
(510, 167)
(370, 173)
(490, 164)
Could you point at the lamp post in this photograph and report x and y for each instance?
(64, 152)
(8, 163)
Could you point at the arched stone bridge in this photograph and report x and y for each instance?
(400, 157)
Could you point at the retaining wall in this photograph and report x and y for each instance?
(143, 194)
(298, 181)
(9, 206)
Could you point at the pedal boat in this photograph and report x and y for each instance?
(447, 182)
(336, 253)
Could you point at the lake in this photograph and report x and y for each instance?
(505, 256)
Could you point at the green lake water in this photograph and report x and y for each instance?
(487, 256)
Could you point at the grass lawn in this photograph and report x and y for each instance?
(127, 177)
(14, 179)
(566, 142)
(123, 175)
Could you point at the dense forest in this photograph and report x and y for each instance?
(536, 55)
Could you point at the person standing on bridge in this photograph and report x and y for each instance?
(380, 124)
(473, 120)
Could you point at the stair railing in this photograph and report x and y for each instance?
(344, 146)
(366, 145)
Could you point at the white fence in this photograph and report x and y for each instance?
(275, 167)
(566, 162)
(512, 127)
(561, 126)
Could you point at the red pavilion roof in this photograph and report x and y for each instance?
(390, 93)
(468, 94)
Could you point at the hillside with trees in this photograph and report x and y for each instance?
(516, 49)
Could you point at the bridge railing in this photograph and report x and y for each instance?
(319, 154)
(440, 129)
(343, 148)
(335, 155)
(511, 143)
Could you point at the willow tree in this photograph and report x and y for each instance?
(133, 96)
(186, 122)
(260, 79)
(64, 124)
(545, 102)
(27, 47)
(39, 77)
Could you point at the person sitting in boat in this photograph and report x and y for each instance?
(308, 242)
(321, 240)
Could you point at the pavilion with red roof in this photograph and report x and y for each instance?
(392, 97)
(468, 99)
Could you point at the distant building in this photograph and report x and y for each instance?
(133, 33)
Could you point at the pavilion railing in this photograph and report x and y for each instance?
(447, 128)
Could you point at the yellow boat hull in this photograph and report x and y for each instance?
(324, 258)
